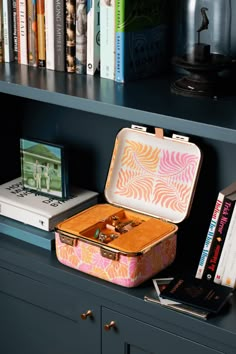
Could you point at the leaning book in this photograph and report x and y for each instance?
(41, 211)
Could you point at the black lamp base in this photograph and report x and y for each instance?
(203, 79)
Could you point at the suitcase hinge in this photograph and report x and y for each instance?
(68, 240)
(113, 255)
(180, 137)
(139, 127)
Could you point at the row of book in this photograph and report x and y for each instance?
(121, 40)
(218, 258)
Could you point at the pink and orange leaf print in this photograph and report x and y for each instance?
(140, 157)
(172, 196)
(133, 185)
(178, 166)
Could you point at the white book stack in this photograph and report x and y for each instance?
(39, 211)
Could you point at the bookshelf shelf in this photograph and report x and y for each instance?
(146, 102)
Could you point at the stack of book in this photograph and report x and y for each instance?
(217, 262)
(38, 213)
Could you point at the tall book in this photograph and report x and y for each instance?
(41, 211)
(219, 237)
(70, 35)
(228, 249)
(212, 228)
(142, 38)
(93, 37)
(1, 34)
(41, 34)
(14, 25)
(107, 39)
(49, 34)
(22, 32)
(32, 33)
(8, 53)
(81, 37)
(229, 272)
(59, 30)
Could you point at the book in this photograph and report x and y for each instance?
(70, 35)
(8, 52)
(154, 296)
(41, 34)
(212, 227)
(49, 34)
(226, 254)
(141, 38)
(30, 234)
(1, 34)
(81, 37)
(219, 237)
(59, 30)
(107, 39)
(14, 26)
(40, 211)
(32, 33)
(93, 37)
(22, 31)
(199, 293)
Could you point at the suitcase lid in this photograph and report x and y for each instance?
(153, 174)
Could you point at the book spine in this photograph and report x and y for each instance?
(1, 34)
(70, 35)
(49, 34)
(119, 40)
(25, 216)
(32, 33)
(218, 239)
(209, 237)
(93, 37)
(21, 12)
(229, 275)
(59, 29)
(81, 37)
(7, 31)
(228, 244)
(41, 34)
(107, 39)
(14, 22)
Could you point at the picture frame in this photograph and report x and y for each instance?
(44, 168)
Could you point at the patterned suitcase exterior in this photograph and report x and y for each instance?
(151, 177)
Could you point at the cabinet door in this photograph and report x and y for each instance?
(125, 335)
(41, 319)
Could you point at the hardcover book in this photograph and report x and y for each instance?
(199, 293)
(22, 31)
(40, 211)
(142, 38)
(60, 37)
(8, 52)
(212, 228)
(32, 33)
(70, 35)
(49, 34)
(93, 37)
(81, 37)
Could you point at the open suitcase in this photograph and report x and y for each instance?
(149, 189)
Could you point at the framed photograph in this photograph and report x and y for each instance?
(43, 168)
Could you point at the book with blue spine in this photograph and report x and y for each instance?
(142, 38)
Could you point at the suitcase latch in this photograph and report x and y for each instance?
(68, 240)
(113, 255)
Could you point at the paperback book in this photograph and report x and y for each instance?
(199, 293)
(43, 212)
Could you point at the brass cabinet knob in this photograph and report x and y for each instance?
(108, 326)
(86, 314)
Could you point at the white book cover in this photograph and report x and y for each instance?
(228, 245)
(41, 211)
(21, 15)
(49, 33)
(107, 39)
(8, 51)
(93, 36)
